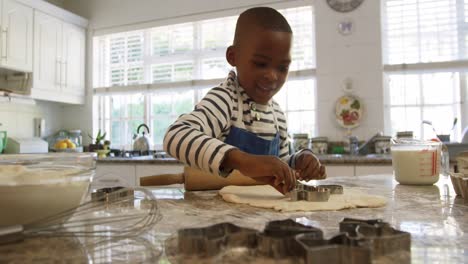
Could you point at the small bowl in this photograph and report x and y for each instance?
(33, 187)
(102, 153)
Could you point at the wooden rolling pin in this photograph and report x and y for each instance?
(197, 180)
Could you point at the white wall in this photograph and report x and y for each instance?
(356, 56)
(18, 118)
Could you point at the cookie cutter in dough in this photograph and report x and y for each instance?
(319, 193)
(359, 241)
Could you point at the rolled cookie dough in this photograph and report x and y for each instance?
(265, 196)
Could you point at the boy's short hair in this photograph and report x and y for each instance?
(264, 17)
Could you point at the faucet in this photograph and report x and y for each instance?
(353, 145)
(355, 149)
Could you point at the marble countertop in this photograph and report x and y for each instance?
(436, 219)
(372, 159)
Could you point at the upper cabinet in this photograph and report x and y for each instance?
(16, 35)
(59, 60)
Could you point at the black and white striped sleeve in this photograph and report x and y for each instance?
(194, 138)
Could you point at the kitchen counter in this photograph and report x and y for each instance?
(436, 219)
(376, 159)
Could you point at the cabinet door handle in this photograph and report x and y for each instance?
(65, 73)
(58, 72)
(5, 43)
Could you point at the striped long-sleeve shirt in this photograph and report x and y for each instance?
(197, 138)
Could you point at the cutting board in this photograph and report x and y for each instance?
(197, 180)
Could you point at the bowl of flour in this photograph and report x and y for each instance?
(37, 186)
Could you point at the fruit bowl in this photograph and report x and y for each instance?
(33, 187)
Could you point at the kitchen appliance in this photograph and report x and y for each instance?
(141, 143)
(18, 145)
(18, 82)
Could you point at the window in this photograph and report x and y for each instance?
(154, 75)
(425, 59)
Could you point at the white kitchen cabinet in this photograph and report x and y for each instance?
(339, 170)
(362, 170)
(114, 175)
(16, 29)
(59, 60)
(150, 170)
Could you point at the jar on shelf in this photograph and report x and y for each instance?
(300, 141)
(319, 145)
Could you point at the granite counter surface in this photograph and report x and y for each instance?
(436, 219)
(371, 159)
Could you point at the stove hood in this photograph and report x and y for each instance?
(17, 82)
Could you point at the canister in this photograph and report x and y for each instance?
(319, 145)
(300, 141)
(382, 145)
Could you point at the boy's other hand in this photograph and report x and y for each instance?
(308, 167)
(266, 169)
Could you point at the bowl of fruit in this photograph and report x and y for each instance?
(65, 145)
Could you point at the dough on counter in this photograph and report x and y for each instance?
(265, 196)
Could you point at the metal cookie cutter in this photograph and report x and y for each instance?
(211, 240)
(309, 193)
(334, 188)
(382, 238)
(278, 238)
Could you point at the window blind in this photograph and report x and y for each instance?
(421, 31)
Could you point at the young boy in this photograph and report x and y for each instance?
(238, 125)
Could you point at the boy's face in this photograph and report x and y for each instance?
(262, 61)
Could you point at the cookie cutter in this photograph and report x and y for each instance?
(278, 239)
(359, 241)
(339, 249)
(334, 188)
(211, 240)
(318, 193)
(383, 239)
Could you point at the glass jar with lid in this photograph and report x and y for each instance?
(75, 137)
(319, 145)
(300, 141)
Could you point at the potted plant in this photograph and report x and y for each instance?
(98, 141)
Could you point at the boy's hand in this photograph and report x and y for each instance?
(309, 167)
(266, 169)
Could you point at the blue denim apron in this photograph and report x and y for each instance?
(248, 141)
